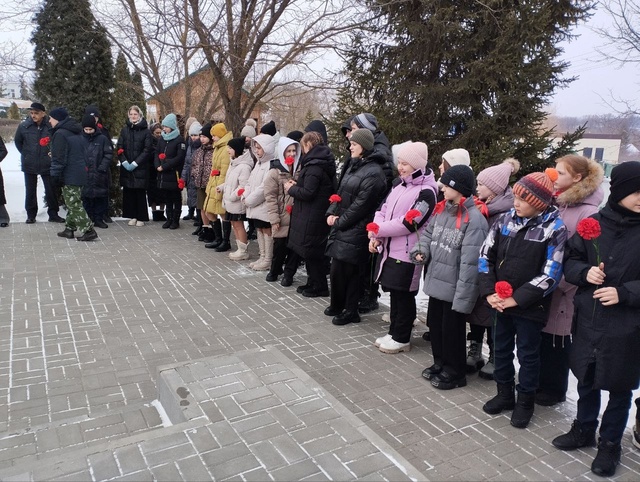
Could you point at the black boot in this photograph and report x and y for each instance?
(607, 459)
(158, 216)
(523, 410)
(197, 231)
(579, 436)
(226, 234)
(67, 233)
(197, 219)
(168, 219)
(189, 214)
(217, 235)
(504, 400)
(175, 221)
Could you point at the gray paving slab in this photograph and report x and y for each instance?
(84, 328)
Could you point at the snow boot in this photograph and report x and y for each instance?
(504, 400)
(241, 253)
(225, 245)
(579, 436)
(523, 410)
(168, 219)
(264, 263)
(217, 235)
(474, 358)
(260, 238)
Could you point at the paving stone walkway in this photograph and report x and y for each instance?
(86, 327)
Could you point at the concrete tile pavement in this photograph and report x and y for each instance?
(84, 328)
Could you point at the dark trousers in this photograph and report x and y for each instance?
(173, 202)
(346, 285)
(317, 278)
(403, 314)
(283, 256)
(370, 289)
(476, 333)
(554, 364)
(134, 204)
(448, 337)
(614, 419)
(96, 207)
(512, 331)
(31, 195)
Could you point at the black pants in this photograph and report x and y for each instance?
(370, 289)
(448, 337)
(403, 313)
(554, 364)
(134, 204)
(476, 333)
(283, 256)
(317, 278)
(31, 195)
(346, 285)
(96, 207)
(173, 202)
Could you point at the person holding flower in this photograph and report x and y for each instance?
(449, 248)
(361, 191)
(169, 161)
(279, 207)
(396, 227)
(524, 248)
(602, 262)
(237, 177)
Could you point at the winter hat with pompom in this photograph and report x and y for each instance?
(269, 128)
(536, 189)
(249, 129)
(496, 178)
(416, 154)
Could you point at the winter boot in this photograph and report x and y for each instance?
(217, 235)
(168, 219)
(206, 235)
(474, 358)
(197, 231)
(67, 233)
(175, 222)
(260, 238)
(241, 253)
(189, 214)
(486, 371)
(523, 410)
(197, 219)
(504, 400)
(226, 234)
(607, 458)
(264, 263)
(88, 236)
(636, 428)
(579, 436)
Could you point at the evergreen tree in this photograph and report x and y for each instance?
(121, 99)
(465, 74)
(137, 94)
(72, 58)
(14, 112)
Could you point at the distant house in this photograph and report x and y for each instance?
(10, 90)
(201, 82)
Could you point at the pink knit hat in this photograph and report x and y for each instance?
(497, 177)
(415, 154)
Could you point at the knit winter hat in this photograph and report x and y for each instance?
(496, 178)
(295, 135)
(206, 131)
(364, 137)
(269, 128)
(237, 144)
(92, 110)
(195, 128)
(59, 114)
(319, 127)
(170, 121)
(88, 120)
(366, 121)
(457, 157)
(461, 179)
(536, 189)
(414, 153)
(625, 180)
(37, 106)
(219, 130)
(249, 129)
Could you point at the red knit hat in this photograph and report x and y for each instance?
(536, 189)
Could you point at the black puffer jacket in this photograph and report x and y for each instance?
(35, 158)
(3, 154)
(362, 190)
(315, 183)
(68, 153)
(172, 163)
(608, 336)
(98, 156)
(136, 142)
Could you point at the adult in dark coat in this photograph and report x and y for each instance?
(4, 215)
(362, 190)
(32, 141)
(606, 326)
(308, 229)
(94, 111)
(155, 197)
(169, 161)
(135, 153)
(98, 157)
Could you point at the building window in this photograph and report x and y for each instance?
(587, 152)
(599, 154)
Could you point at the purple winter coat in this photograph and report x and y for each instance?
(417, 191)
(576, 203)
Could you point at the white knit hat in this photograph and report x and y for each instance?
(456, 157)
(415, 154)
(195, 128)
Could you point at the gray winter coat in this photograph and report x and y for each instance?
(450, 245)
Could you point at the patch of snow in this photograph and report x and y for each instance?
(164, 418)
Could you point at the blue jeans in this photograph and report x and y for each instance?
(512, 331)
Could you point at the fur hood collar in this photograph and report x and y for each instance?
(583, 190)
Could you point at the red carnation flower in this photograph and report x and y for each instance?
(215, 172)
(162, 156)
(99, 125)
(289, 209)
(373, 228)
(120, 151)
(240, 192)
(411, 215)
(289, 161)
(589, 229)
(504, 289)
(45, 141)
(181, 183)
(334, 198)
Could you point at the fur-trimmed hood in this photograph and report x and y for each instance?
(587, 190)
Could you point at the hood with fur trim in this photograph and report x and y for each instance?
(587, 190)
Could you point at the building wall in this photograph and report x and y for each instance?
(601, 149)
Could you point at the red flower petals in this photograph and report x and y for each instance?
(334, 198)
(411, 215)
(120, 151)
(504, 289)
(162, 156)
(589, 229)
(215, 172)
(45, 141)
(289, 161)
(373, 228)
(240, 192)
(289, 209)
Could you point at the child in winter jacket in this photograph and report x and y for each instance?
(602, 262)
(449, 246)
(169, 161)
(397, 226)
(279, 207)
(212, 207)
(237, 177)
(520, 265)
